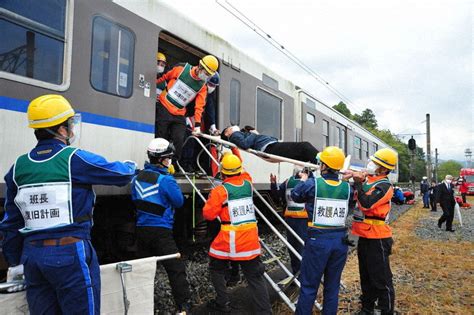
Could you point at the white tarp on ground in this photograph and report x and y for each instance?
(139, 283)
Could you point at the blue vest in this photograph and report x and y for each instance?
(152, 208)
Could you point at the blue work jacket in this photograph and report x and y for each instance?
(87, 169)
(156, 194)
(249, 140)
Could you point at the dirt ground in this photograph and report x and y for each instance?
(430, 276)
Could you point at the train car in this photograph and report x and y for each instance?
(101, 56)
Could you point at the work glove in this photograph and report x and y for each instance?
(16, 274)
(214, 131)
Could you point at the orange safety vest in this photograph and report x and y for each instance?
(232, 204)
(375, 224)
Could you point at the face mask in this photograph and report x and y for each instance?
(203, 76)
(210, 89)
(371, 168)
(160, 69)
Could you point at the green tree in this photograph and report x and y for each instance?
(366, 119)
(450, 167)
(342, 108)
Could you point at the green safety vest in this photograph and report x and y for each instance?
(331, 203)
(290, 204)
(240, 203)
(44, 194)
(184, 89)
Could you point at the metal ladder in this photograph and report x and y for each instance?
(281, 285)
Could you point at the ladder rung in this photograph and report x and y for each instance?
(287, 280)
(269, 261)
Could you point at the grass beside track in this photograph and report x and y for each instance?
(430, 277)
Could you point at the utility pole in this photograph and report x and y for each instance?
(428, 148)
(468, 154)
(412, 148)
(436, 165)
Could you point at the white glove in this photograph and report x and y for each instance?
(214, 131)
(197, 130)
(16, 274)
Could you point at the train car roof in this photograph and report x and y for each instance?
(171, 20)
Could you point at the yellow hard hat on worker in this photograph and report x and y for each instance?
(160, 57)
(385, 157)
(231, 164)
(333, 157)
(209, 63)
(48, 110)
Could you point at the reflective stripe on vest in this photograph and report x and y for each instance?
(331, 203)
(44, 190)
(184, 89)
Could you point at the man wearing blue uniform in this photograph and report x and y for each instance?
(325, 252)
(48, 213)
(156, 194)
(295, 214)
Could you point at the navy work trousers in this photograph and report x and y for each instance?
(325, 253)
(375, 274)
(300, 226)
(63, 279)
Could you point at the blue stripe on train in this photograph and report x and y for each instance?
(17, 105)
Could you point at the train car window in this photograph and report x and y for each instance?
(375, 147)
(326, 132)
(234, 102)
(33, 40)
(310, 103)
(269, 81)
(342, 140)
(269, 114)
(113, 48)
(365, 148)
(310, 118)
(357, 148)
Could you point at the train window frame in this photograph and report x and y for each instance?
(67, 55)
(358, 147)
(325, 133)
(282, 110)
(237, 102)
(365, 148)
(310, 103)
(311, 118)
(132, 67)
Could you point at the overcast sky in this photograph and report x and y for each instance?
(401, 58)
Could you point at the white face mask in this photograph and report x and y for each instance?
(203, 76)
(160, 69)
(372, 168)
(210, 89)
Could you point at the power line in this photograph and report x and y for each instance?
(268, 38)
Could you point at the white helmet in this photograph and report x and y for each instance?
(160, 148)
(424, 177)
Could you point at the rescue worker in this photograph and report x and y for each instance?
(156, 194)
(237, 240)
(160, 69)
(48, 218)
(184, 84)
(325, 251)
(374, 192)
(295, 213)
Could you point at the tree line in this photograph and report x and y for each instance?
(368, 120)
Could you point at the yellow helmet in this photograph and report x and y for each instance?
(210, 63)
(48, 110)
(160, 57)
(385, 157)
(332, 157)
(231, 164)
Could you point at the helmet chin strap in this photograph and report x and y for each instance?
(60, 136)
